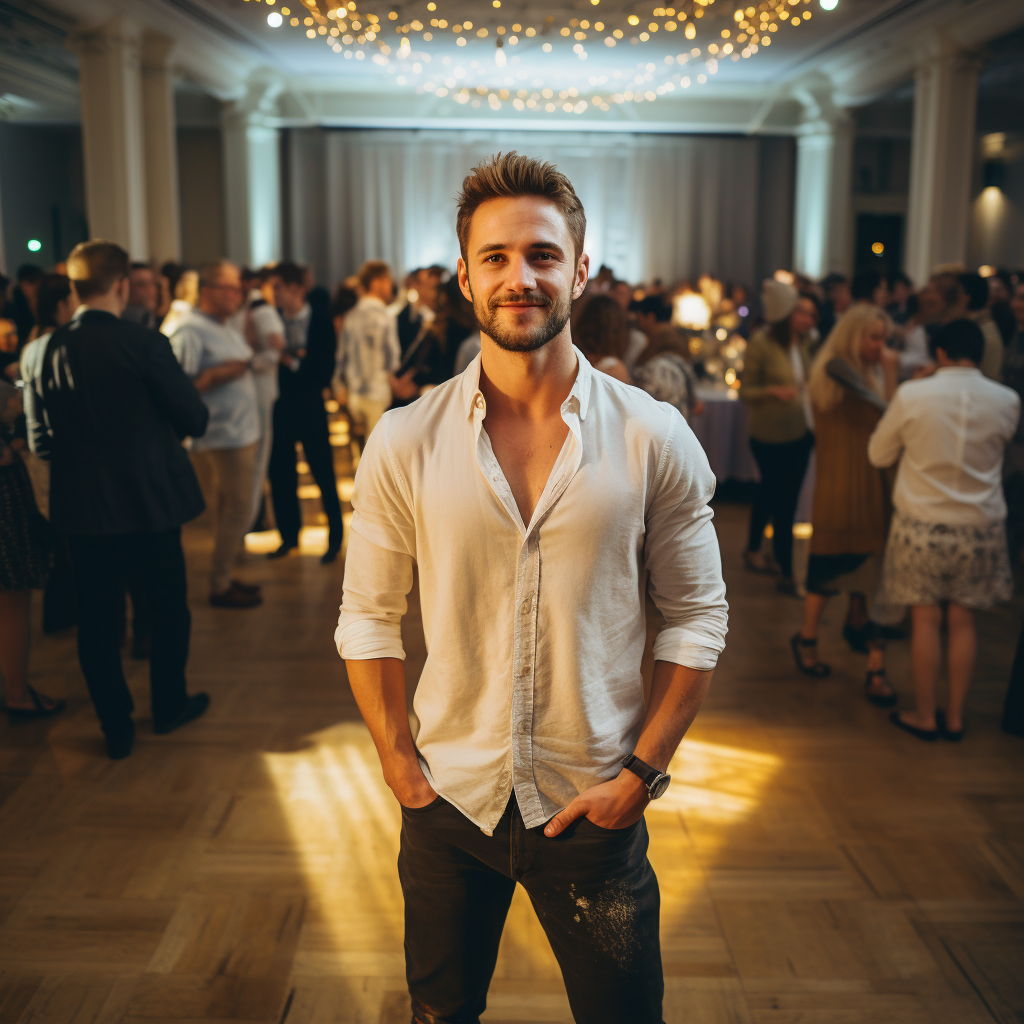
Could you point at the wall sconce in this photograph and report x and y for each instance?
(993, 174)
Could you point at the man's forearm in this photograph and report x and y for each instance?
(378, 685)
(676, 696)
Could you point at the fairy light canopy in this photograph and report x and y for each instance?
(490, 54)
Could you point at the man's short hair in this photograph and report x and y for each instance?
(209, 274)
(370, 271)
(976, 288)
(140, 265)
(289, 272)
(959, 339)
(831, 280)
(864, 284)
(509, 175)
(96, 266)
(30, 272)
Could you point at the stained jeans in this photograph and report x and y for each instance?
(592, 888)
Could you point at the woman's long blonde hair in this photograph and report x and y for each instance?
(843, 342)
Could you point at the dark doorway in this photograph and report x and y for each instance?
(879, 242)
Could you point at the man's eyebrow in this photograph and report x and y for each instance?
(499, 246)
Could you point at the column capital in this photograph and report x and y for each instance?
(821, 114)
(157, 51)
(937, 47)
(118, 31)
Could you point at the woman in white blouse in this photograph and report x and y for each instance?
(947, 544)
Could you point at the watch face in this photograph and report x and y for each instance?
(659, 786)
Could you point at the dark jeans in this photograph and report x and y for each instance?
(1013, 709)
(783, 467)
(592, 888)
(101, 565)
(302, 418)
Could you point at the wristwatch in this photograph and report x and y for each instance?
(655, 781)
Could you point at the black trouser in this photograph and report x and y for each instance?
(302, 417)
(1013, 708)
(592, 888)
(101, 565)
(782, 467)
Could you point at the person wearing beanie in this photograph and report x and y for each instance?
(773, 385)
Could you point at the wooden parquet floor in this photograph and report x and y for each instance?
(816, 865)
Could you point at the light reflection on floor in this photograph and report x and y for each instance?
(345, 826)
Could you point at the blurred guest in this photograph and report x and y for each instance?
(932, 305)
(116, 406)
(947, 544)
(22, 307)
(602, 335)
(971, 301)
(343, 300)
(836, 289)
(9, 343)
(667, 376)
(263, 329)
(622, 293)
(144, 297)
(185, 295)
(417, 314)
(468, 351)
(901, 294)
(216, 358)
(1000, 292)
(852, 377)
(304, 372)
(370, 352)
(24, 567)
(774, 386)
(870, 286)
(1013, 463)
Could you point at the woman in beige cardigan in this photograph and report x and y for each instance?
(852, 379)
(774, 387)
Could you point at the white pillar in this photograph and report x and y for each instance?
(823, 208)
(112, 135)
(252, 179)
(941, 159)
(161, 148)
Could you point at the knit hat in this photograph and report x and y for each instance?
(778, 300)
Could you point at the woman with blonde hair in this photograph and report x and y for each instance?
(852, 378)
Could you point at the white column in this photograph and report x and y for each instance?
(161, 148)
(112, 135)
(252, 180)
(823, 208)
(941, 159)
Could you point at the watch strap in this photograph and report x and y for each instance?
(647, 774)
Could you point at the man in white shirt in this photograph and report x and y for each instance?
(536, 498)
(947, 544)
(217, 358)
(369, 352)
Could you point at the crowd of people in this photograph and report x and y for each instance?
(208, 378)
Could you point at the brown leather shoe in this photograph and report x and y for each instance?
(233, 597)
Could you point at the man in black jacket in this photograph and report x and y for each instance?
(116, 406)
(304, 370)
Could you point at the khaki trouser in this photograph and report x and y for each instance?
(367, 410)
(226, 476)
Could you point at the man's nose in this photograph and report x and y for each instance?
(521, 277)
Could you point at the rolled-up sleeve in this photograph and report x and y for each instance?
(379, 561)
(682, 556)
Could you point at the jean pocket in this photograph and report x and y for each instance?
(587, 825)
(422, 810)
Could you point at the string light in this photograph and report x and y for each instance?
(352, 32)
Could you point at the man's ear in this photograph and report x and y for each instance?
(463, 274)
(582, 275)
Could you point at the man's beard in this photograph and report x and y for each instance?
(523, 339)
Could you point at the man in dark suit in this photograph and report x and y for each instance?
(304, 370)
(116, 406)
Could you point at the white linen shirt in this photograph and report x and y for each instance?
(368, 350)
(534, 631)
(952, 429)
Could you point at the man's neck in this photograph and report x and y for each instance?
(532, 385)
(291, 312)
(104, 304)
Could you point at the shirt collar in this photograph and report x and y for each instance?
(371, 300)
(578, 399)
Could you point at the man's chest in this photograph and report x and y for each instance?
(527, 456)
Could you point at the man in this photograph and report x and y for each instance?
(22, 307)
(418, 313)
(304, 371)
(216, 358)
(116, 407)
(837, 301)
(971, 302)
(369, 353)
(143, 297)
(533, 494)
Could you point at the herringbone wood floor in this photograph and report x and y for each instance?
(816, 865)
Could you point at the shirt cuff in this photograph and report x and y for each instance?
(674, 645)
(367, 639)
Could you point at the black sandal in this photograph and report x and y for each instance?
(39, 711)
(819, 669)
(880, 700)
(922, 734)
(953, 735)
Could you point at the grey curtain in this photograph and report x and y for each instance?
(666, 207)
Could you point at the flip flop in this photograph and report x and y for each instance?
(922, 734)
(39, 711)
